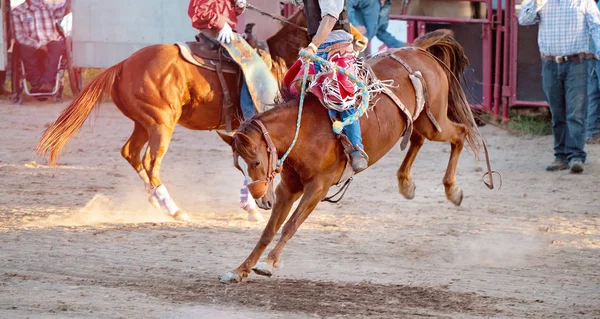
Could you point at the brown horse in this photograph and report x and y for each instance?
(317, 161)
(157, 90)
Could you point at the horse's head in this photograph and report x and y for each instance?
(256, 158)
(289, 39)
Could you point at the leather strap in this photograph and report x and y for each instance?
(564, 58)
(227, 102)
(272, 171)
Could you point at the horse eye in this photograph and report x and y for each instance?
(257, 164)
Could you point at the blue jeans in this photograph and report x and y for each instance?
(246, 102)
(592, 122)
(365, 13)
(565, 88)
(382, 33)
(352, 130)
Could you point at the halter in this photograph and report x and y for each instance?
(258, 188)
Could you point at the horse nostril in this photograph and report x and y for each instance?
(269, 204)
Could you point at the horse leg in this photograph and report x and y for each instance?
(131, 153)
(160, 137)
(455, 134)
(287, 192)
(406, 185)
(313, 194)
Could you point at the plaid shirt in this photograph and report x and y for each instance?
(565, 25)
(35, 23)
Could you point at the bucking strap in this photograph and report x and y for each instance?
(424, 86)
(409, 121)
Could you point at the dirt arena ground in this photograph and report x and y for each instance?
(80, 240)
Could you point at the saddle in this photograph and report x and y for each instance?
(236, 57)
(209, 54)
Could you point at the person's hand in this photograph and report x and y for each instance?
(226, 34)
(240, 5)
(361, 28)
(383, 2)
(312, 48)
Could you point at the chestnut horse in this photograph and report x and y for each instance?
(157, 89)
(317, 161)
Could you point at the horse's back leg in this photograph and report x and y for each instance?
(455, 134)
(406, 185)
(159, 140)
(132, 149)
(287, 193)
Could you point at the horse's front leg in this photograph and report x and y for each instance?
(313, 194)
(288, 191)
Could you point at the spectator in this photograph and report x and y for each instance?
(592, 122)
(382, 33)
(40, 43)
(364, 15)
(563, 39)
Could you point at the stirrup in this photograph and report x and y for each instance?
(359, 149)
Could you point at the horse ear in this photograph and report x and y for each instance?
(227, 138)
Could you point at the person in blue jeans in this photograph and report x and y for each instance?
(364, 15)
(352, 131)
(382, 34)
(327, 25)
(563, 39)
(592, 122)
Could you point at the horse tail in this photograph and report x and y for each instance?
(452, 57)
(72, 118)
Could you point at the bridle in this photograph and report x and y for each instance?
(258, 188)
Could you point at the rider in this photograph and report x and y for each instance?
(217, 19)
(328, 25)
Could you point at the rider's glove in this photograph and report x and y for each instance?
(226, 34)
(240, 6)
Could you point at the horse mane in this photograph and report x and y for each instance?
(451, 55)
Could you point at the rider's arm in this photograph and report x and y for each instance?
(330, 11)
(325, 27)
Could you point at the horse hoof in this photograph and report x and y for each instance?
(230, 278)
(154, 202)
(181, 216)
(407, 189)
(255, 216)
(455, 195)
(263, 269)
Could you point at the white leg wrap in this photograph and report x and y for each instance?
(246, 199)
(144, 176)
(165, 200)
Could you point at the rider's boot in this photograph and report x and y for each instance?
(359, 160)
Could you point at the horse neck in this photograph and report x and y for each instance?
(280, 43)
